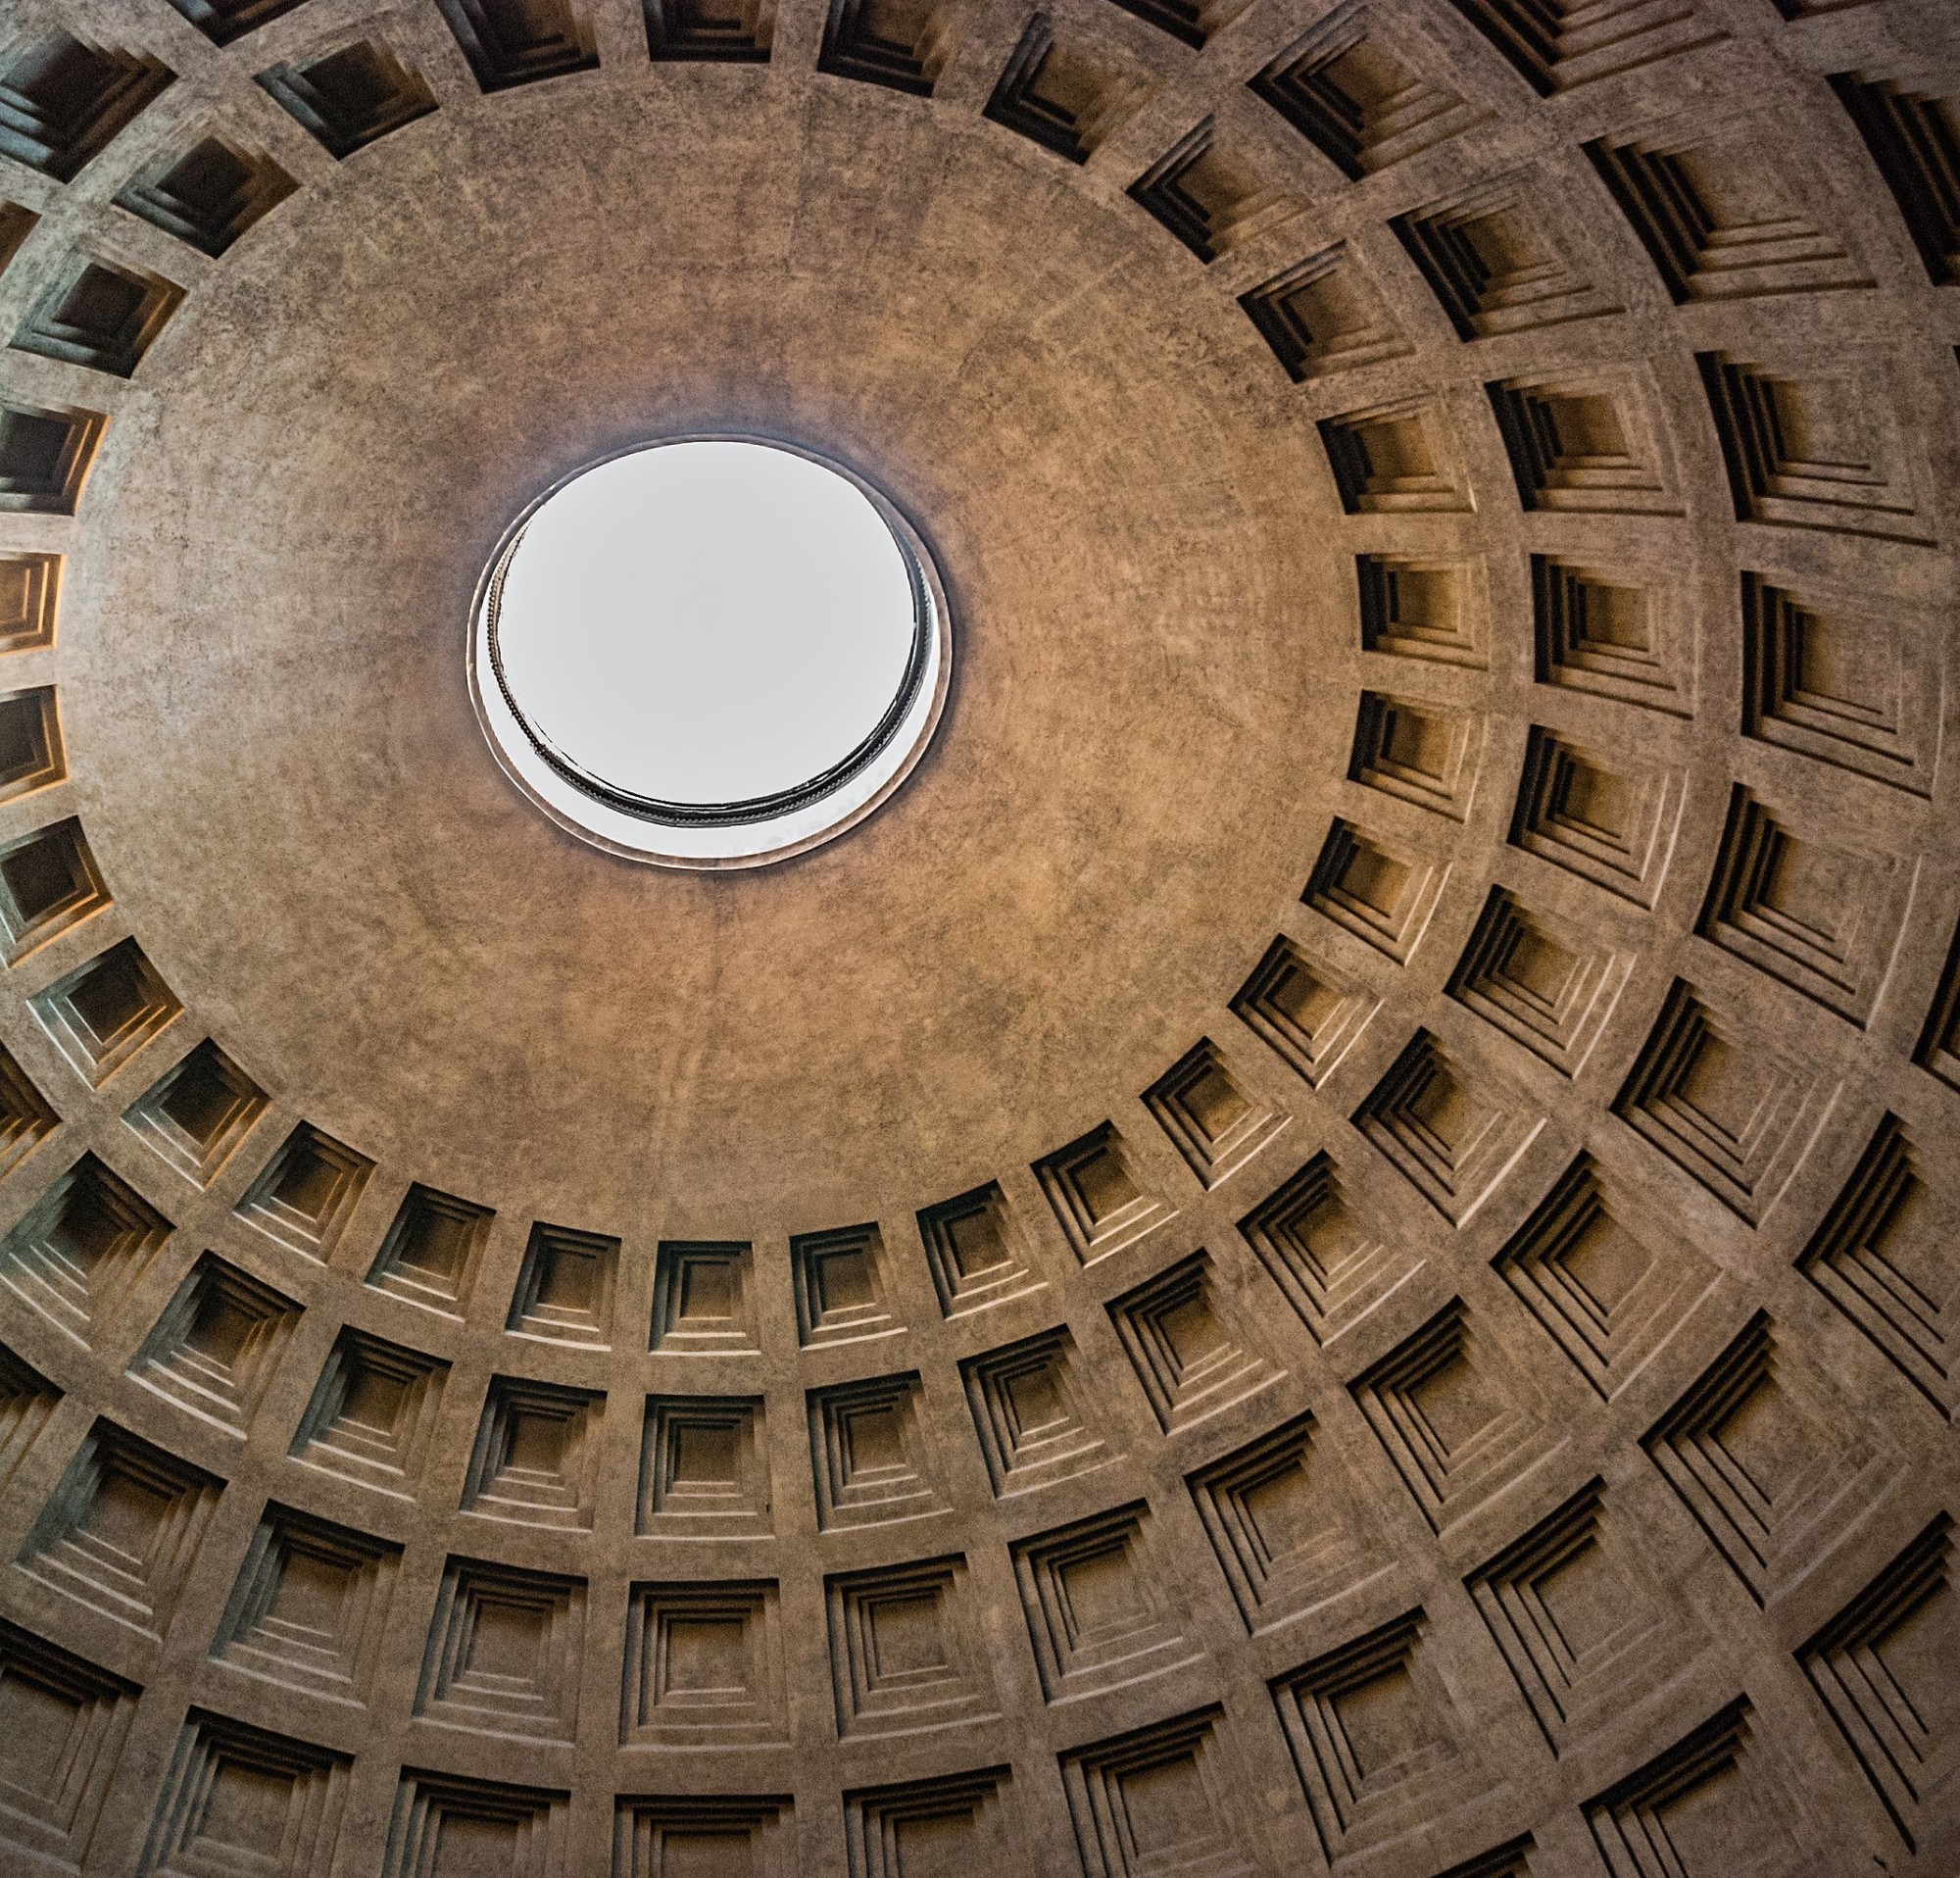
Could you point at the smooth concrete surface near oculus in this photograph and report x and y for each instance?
(1328, 1243)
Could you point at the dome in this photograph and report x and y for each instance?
(1321, 1231)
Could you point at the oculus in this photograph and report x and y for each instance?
(709, 651)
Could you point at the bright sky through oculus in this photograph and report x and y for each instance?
(712, 634)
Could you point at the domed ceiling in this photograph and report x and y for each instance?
(1331, 1241)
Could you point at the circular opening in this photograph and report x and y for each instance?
(709, 652)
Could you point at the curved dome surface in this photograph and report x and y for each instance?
(1328, 1241)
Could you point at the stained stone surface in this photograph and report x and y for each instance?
(1332, 1240)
